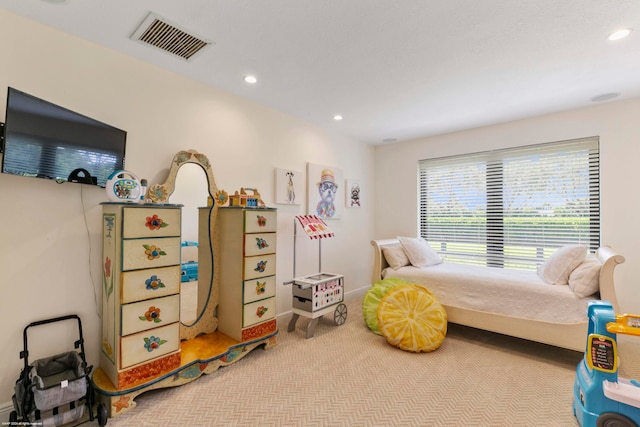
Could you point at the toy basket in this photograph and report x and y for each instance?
(58, 380)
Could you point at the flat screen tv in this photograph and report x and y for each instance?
(44, 140)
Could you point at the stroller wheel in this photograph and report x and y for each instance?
(102, 414)
(13, 417)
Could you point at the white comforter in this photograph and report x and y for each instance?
(495, 290)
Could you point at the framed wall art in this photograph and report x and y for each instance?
(289, 187)
(325, 191)
(353, 193)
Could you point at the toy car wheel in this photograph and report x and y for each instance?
(611, 419)
(340, 314)
(102, 414)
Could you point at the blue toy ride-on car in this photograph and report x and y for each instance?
(600, 397)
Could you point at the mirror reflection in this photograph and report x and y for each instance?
(191, 191)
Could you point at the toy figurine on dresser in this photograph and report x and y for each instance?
(145, 343)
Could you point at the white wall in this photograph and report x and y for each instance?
(50, 234)
(617, 125)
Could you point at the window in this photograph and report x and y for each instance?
(511, 208)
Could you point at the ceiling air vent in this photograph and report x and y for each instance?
(157, 32)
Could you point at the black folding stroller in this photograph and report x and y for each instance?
(55, 390)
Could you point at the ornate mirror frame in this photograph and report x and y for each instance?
(206, 320)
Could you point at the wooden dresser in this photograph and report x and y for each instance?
(247, 266)
(141, 291)
(145, 343)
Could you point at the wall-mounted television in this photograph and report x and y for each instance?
(45, 140)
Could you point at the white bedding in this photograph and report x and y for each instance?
(509, 292)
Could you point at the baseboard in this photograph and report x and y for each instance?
(356, 293)
(5, 410)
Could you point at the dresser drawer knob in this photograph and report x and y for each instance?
(153, 252)
(155, 223)
(153, 342)
(153, 283)
(261, 266)
(261, 243)
(260, 311)
(260, 287)
(152, 315)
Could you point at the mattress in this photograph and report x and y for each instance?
(515, 293)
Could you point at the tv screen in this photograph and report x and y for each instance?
(44, 140)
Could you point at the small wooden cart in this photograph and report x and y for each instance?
(317, 294)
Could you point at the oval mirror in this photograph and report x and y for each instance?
(191, 190)
(190, 183)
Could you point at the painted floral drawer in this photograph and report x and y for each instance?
(145, 315)
(260, 221)
(140, 285)
(257, 289)
(259, 266)
(150, 222)
(259, 244)
(147, 345)
(258, 311)
(150, 253)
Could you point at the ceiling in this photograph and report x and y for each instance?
(394, 69)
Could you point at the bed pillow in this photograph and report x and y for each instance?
(557, 268)
(395, 256)
(419, 252)
(585, 279)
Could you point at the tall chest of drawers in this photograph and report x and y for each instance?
(141, 291)
(247, 266)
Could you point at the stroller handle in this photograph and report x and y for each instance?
(24, 354)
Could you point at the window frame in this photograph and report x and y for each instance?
(495, 227)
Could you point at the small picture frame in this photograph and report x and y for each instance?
(353, 193)
(289, 186)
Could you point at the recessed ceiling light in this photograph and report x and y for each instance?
(605, 97)
(337, 117)
(250, 79)
(620, 34)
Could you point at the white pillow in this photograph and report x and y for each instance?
(419, 252)
(585, 279)
(395, 256)
(557, 268)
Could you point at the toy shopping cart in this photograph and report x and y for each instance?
(55, 390)
(317, 294)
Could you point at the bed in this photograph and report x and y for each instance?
(509, 302)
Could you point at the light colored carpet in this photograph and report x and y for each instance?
(348, 376)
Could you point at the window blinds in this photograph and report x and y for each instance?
(511, 208)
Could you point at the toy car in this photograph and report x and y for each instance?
(600, 397)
